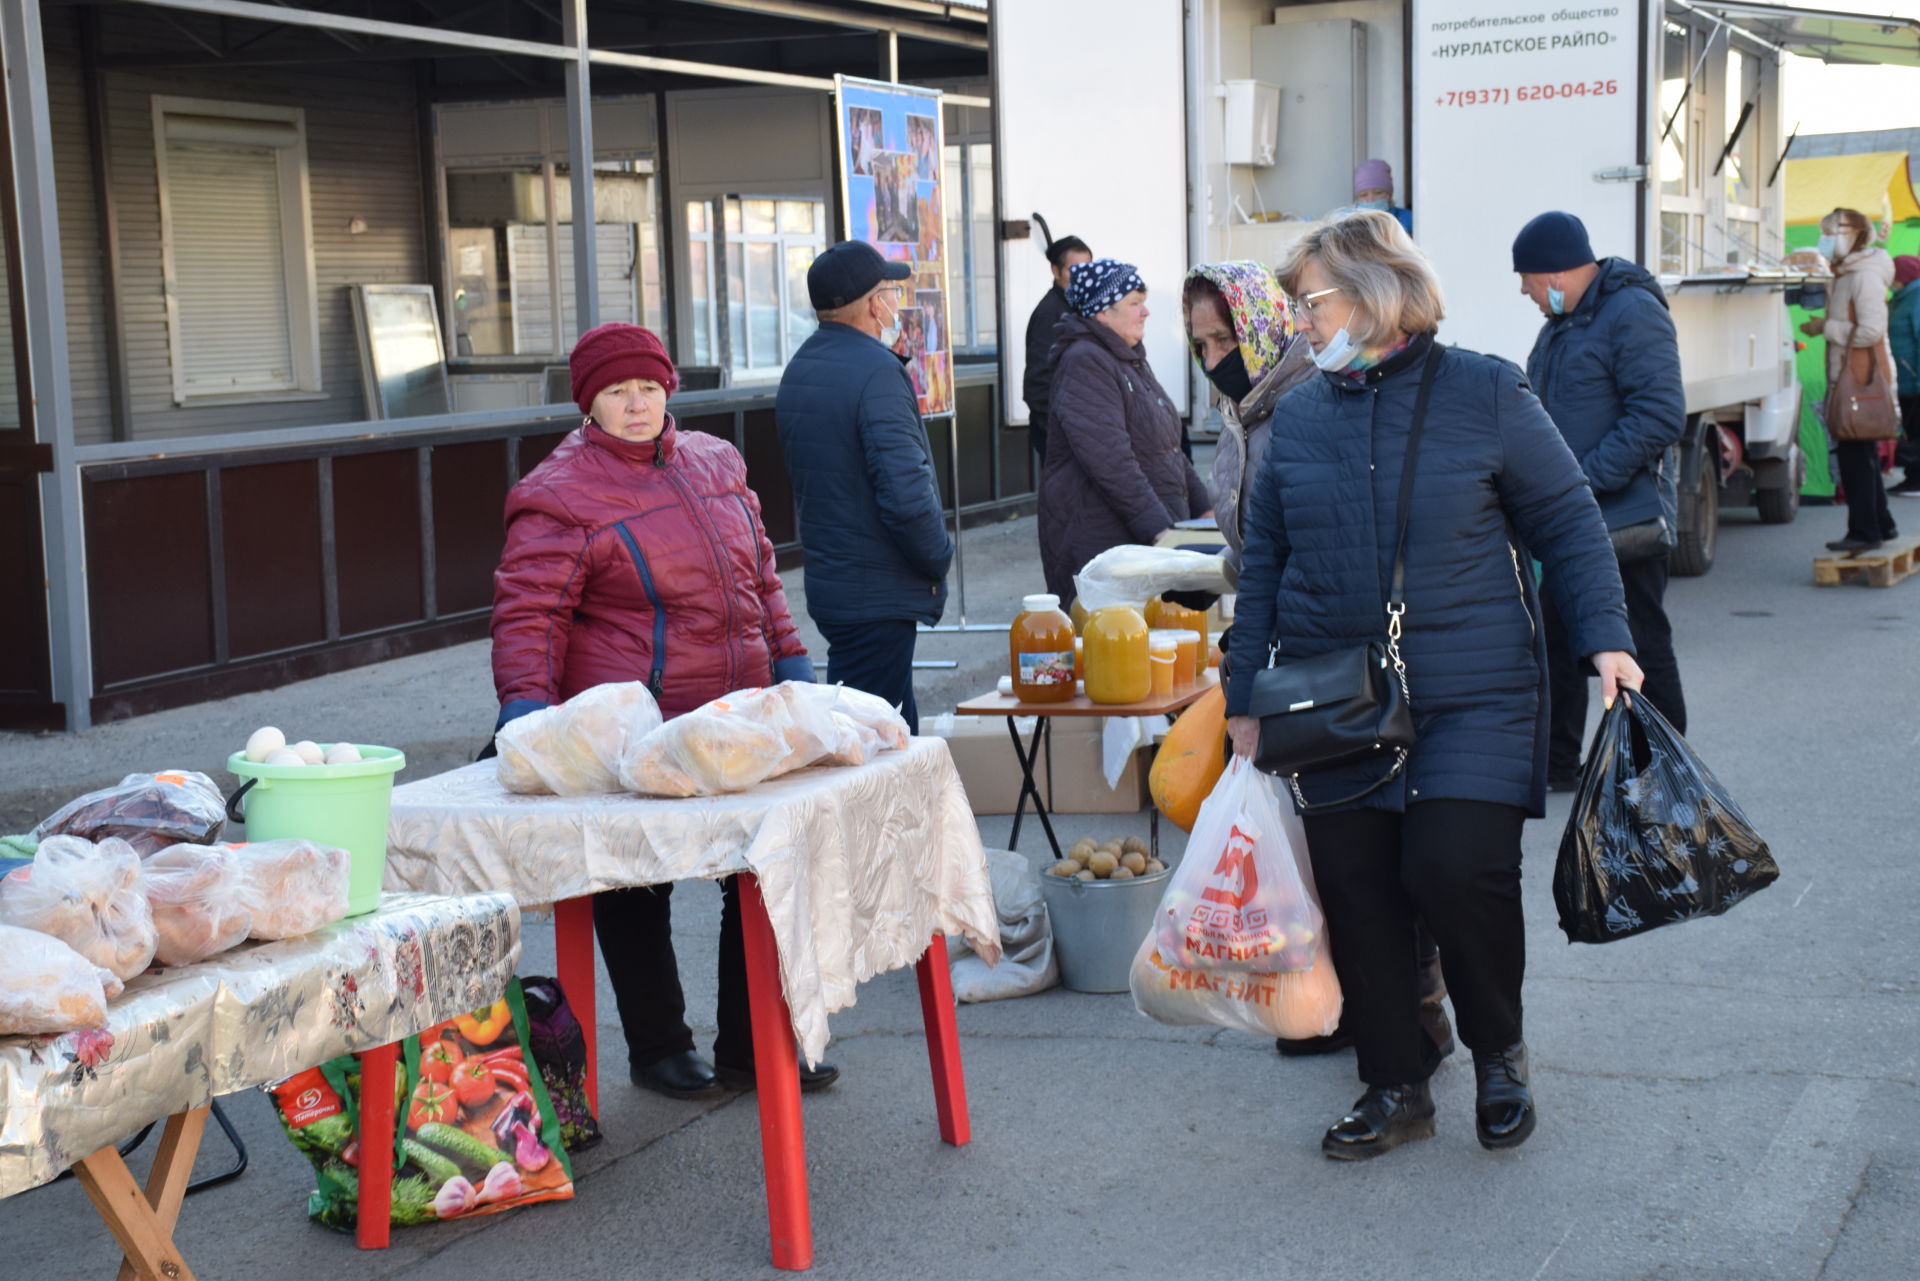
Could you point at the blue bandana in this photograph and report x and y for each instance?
(1095, 286)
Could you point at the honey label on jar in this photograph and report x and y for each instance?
(1047, 668)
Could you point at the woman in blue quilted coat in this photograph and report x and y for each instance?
(1495, 488)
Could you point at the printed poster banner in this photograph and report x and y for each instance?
(1531, 100)
(892, 183)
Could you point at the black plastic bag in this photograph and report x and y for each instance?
(1653, 838)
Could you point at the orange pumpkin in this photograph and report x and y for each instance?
(1191, 759)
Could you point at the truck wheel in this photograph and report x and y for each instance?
(1699, 530)
(1780, 506)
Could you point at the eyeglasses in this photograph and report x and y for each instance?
(1310, 303)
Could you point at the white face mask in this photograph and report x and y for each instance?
(890, 332)
(1338, 353)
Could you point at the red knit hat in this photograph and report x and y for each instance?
(1906, 267)
(613, 353)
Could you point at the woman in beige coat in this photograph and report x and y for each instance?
(1856, 317)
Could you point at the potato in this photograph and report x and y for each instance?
(1081, 848)
(1065, 867)
(1121, 874)
(1083, 875)
(1155, 865)
(1134, 845)
(1134, 862)
(1102, 864)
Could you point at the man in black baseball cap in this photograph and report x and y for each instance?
(847, 272)
(863, 481)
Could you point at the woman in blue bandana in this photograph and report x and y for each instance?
(1114, 472)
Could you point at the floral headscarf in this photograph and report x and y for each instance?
(1262, 321)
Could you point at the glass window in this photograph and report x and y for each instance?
(986, 306)
(1673, 244)
(959, 248)
(1743, 88)
(1743, 242)
(801, 321)
(699, 348)
(736, 299)
(758, 220)
(799, 217)
(770, 243)
(1676, 65)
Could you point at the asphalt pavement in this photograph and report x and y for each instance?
(1731, 1099)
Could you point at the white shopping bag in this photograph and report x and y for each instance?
(1237, 900)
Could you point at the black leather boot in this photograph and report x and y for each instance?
(1383, 1118)
(1503, 1113)
(678, 1076)
(812, 1079)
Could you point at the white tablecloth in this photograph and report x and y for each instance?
(177, 1039)
(859, 865)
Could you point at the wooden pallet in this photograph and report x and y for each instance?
(1882, 567)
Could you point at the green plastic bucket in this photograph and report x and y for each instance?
(340, 805)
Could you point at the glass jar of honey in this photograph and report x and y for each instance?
(1118, 667)
(1040, 651)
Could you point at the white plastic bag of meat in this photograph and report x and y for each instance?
(293, 887)
(726, 745)
(87, 896)
(201, 900)
(869, 710)
(575, 749)
(49, 987)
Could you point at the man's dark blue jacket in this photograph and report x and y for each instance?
(863, 481)
(1609, 374)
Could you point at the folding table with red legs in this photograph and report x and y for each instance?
(831, 862)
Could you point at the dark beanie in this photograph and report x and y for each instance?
(1552, 242)
(1906, 268)
(614, 353)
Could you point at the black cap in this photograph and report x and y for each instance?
(845, 273)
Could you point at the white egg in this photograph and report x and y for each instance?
(263, 742)
(342, 754)
(284, 756)
(309, 751)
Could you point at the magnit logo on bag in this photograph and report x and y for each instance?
(1229, 923)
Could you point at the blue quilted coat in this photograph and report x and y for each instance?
(1495, 485)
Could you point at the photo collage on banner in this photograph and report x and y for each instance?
(891, 180)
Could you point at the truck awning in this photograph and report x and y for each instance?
(1844, 38)
(1877, 183)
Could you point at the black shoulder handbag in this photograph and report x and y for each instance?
(1349, 705)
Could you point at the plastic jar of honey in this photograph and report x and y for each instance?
(1040, 651)
(1169, 615)
(1163, 661)
(1191, 656)
(1118, 667)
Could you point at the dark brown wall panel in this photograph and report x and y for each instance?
(149, 593)
(1017, 462)
(376, 535)
(767, 475)
(270, 530)
(976, 421)
(469, 492)
(24, 670)
(535, 448)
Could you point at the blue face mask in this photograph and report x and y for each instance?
(1337, 354)
(1378, 206)
(1556, 301)
(1827, 245)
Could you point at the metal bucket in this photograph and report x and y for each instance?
(1098, 925)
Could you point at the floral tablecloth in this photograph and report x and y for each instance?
(859, 865)
(176, 1039)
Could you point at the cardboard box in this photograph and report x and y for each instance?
(984, 755)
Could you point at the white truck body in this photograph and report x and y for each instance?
(1658, 122)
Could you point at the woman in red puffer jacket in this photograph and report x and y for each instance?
(635, 551)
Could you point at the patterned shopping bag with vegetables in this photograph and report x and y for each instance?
(475, 1131)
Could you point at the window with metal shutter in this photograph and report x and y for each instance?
(229, 289)
(236, 248)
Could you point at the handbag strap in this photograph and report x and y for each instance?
(1396, 602)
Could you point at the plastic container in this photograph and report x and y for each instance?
(343, 805)
(1188, 643)
(1168, 615)
(1041, 651)
(1098, 925)
(1118, 669)
(1163, 661)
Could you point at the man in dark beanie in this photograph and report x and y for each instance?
(863, 481)
(1607, 367)
(1036, 383)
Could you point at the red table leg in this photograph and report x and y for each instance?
(943, 1043)
(374, 1215)
(776, 1069)
(573, 959)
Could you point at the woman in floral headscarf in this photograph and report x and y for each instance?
(1241, 331)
